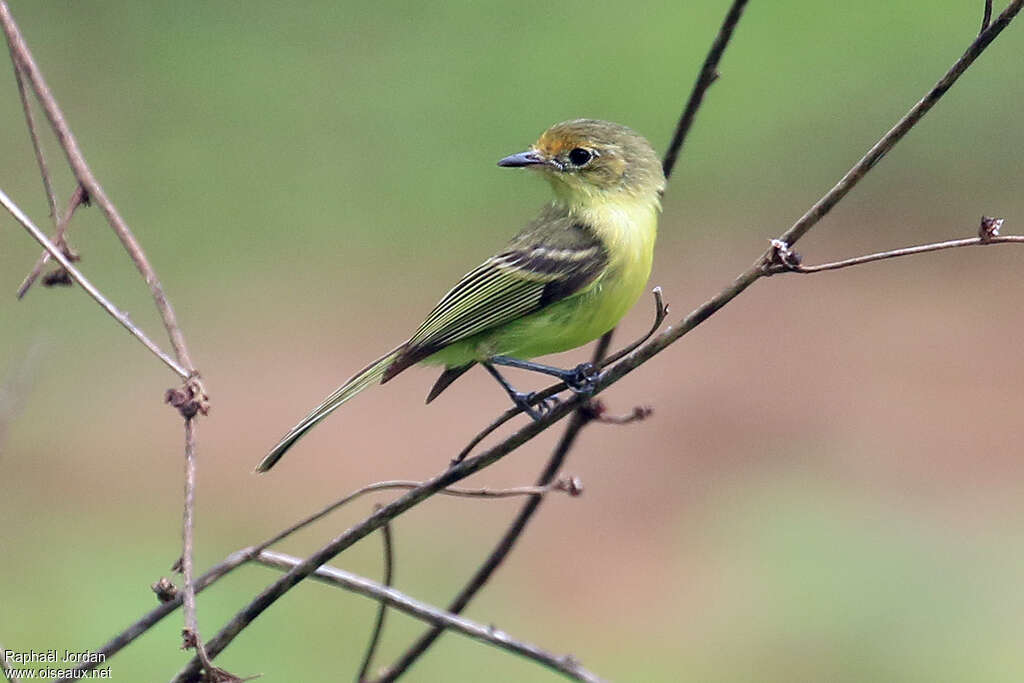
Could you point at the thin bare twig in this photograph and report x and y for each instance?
(902, 127)
(986, 17)
(190, 634)
(27, 65)
(565, 665)
(409, 486)
(78, 198)
(91, 290)
(526, 433)
(660, 313)
(382, 609)
(708, 75)
(37, 147)
(788, 267)
(154, 616)
(570, 486)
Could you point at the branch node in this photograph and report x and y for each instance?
(570, 485)
(779, 258)
(190, 398)
(165, 590)
(989, 228)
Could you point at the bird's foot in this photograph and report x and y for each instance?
(582, 378)
(543, 406)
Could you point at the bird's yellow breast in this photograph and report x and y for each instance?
(628, 230)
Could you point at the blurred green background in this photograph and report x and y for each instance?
(830, 487)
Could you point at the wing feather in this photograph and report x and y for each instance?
(534, 272)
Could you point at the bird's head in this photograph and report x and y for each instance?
(589, 160)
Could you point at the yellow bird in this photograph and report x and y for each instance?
(562, 282)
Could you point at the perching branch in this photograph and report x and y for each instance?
(580, 418)
(613, 374)
(660, 312)
(565, 665)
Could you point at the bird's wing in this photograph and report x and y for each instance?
(532, 273)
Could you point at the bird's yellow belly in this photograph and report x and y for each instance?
(581, 317)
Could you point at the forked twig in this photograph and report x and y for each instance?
(34, 77)
(572, 487)
(91, 290)
(787, 264)
(78, 198)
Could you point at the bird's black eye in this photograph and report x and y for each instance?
(580, 156)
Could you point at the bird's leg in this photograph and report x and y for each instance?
(580, 379)
(523, 400)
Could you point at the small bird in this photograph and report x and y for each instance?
(562, 282)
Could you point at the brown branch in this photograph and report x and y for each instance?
(986, 16)
(37, 147)
(190, 634)
(785, 264)
(153, 617)
(565, 665)
(660, 312)
(78, 198)
(91, 290)
(708, 75)
(410, 486)
(902, 127)
(27, 66)
(175, 599)
(501, 551)
(382, 609)
(629, 363)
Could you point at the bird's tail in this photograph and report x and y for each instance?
(368, 376)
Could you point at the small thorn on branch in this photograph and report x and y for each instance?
(989, 228)
(165, 589)
(190, 398)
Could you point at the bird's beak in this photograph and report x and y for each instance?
(528, 158)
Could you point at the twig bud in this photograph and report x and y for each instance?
(165, 590)
(989, 228)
